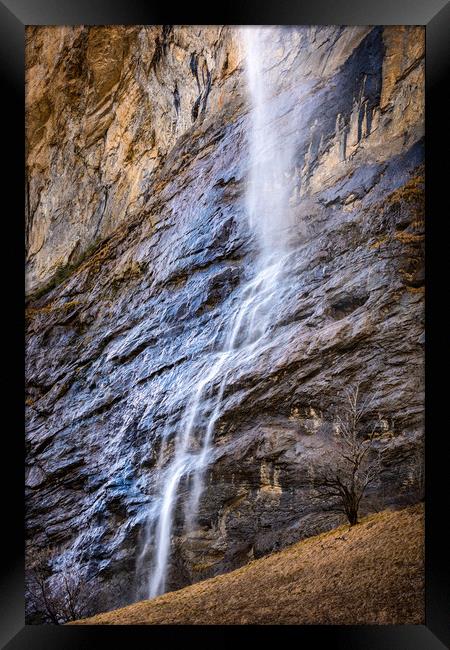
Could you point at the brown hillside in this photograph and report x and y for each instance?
(371, 573)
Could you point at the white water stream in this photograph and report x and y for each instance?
(267, 202)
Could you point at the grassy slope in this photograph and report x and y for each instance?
(372, 573)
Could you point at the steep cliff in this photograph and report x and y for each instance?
(105, 106)
(137, 243)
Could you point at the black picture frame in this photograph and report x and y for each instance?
(14, 16)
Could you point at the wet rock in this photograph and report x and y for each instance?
(140, 200)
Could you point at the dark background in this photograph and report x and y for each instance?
(14, 15)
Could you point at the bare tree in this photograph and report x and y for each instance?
(57, 597)
(350, 470)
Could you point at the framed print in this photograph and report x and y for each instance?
(229, 415)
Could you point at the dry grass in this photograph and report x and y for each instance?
(379, 242)
(52, 307)
(372, 573)
(411, 192)
(408, 237)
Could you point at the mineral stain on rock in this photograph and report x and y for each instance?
(137, 247)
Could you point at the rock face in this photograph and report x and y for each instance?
(105, 106)
(137, 244)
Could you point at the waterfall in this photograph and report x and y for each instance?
(269, 183)
(248, 331)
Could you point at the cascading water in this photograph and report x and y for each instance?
(248, 332)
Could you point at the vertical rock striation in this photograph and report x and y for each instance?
(136, 244)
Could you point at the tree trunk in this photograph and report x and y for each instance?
(352, 517)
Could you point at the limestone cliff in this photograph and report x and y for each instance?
(105, 106)
(136, 243)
